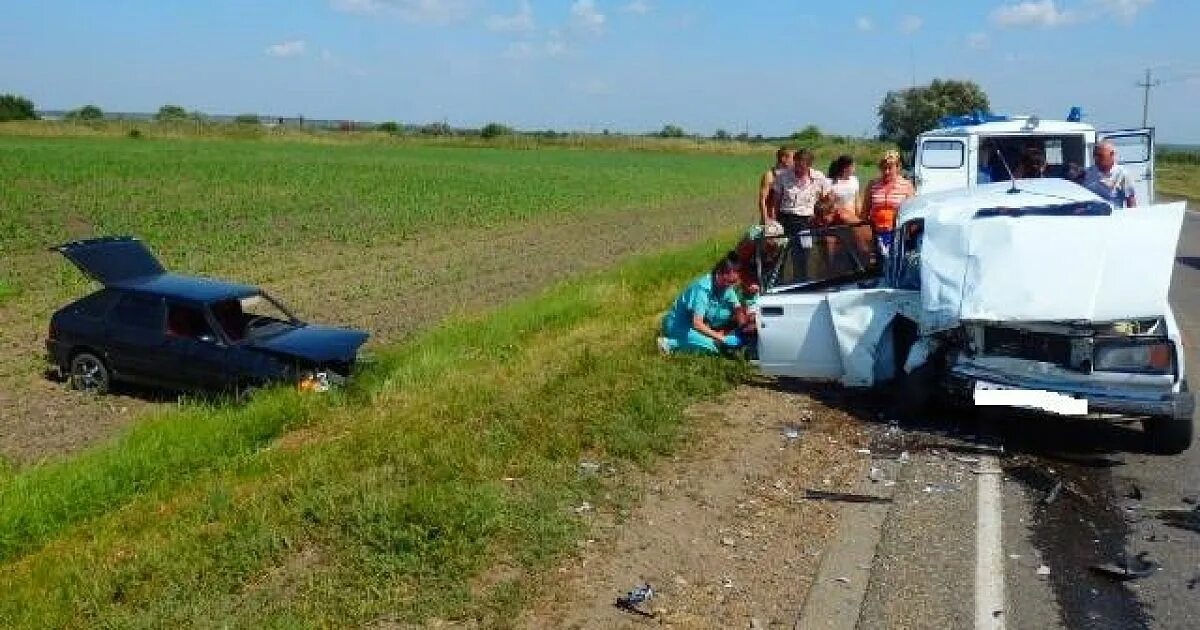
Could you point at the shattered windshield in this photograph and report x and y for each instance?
(252, 316)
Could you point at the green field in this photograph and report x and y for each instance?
(195, 197)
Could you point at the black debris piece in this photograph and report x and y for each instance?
(1127, 569)
(845, 497)
(633, 600)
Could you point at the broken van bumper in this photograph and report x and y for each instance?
(961, 383)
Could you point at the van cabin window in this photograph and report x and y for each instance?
(942, 154)
(1133, 149)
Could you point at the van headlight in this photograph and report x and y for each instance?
(1156, 357)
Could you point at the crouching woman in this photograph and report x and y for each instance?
(709, 315)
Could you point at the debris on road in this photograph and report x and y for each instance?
(633, 600)
(589, 469)
(583, 508)
(1053, 494)
(1043, 571)
(791, 432)
(847, 497)
(1124, 570)
(876, 474)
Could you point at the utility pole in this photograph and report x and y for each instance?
(1146, 85)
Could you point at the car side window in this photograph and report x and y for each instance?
(819, 258)
(908, 270)
(96, 305)
(138, 311)
(188, 322)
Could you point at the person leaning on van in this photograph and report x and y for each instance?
(1108, 179)
(883, 199)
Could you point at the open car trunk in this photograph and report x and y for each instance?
(112, 260)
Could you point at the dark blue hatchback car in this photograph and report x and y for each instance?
(161, 329)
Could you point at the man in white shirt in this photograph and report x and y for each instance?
(1106, 178)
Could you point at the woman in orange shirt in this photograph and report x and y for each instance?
(883, 199)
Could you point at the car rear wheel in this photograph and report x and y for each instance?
(1169, 435)
(89, 373)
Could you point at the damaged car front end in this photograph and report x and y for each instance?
(1042, 297)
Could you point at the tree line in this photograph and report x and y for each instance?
(903, 115)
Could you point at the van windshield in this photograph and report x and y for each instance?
(1030, 157)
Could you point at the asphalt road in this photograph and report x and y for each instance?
(1074, 494)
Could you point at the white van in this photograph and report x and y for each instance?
(967, 151)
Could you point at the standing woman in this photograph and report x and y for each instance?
(844, 184)
(884, 196)
(768, 197)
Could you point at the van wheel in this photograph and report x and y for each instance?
(89, 374)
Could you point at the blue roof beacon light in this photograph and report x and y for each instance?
(977, 117)
(1076, 114)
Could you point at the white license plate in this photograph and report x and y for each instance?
(995, 394)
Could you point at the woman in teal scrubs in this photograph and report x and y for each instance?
(707, 315)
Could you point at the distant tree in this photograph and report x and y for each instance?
(743, 137)
(436, 129)
(388, 127)
(905, 114)
(87, 112)
(495, 130)
(671, 131)
(721, 134)
(246, 119)
(171, 113)
(197, 116)
(809, 134)
(13, 107)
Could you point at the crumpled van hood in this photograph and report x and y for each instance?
(1048, 268)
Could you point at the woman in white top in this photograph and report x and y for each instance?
(847, 201)
(846, 210)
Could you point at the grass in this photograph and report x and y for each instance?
(1179, 179)
(7, 290)
(432, 489)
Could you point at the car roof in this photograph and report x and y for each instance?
(965, 202)
(186, 288)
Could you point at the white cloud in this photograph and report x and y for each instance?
(637, 7)
(417, 11)
(1040, 13)
(519, 22)
(978, 41)
(864, 24)
(293, 48)
(910, 24)
(586, 17)
(1124, 10)
(555, 46)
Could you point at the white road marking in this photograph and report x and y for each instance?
(989, 552)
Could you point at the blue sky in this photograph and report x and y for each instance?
(629, 65)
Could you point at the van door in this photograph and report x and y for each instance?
(1135, 153)
(941, 164)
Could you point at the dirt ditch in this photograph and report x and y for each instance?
(722, 534)
(392, 290)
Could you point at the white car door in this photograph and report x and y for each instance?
(796, 334)
(1135, 153)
